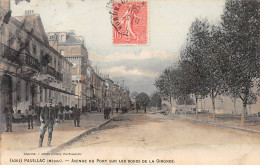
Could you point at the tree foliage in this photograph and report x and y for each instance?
(218, 59)
(143, 100)
(156, 100)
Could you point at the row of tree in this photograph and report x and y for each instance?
(218, 59)
(142, 100)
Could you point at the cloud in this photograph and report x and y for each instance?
(142, 55)
(120, 71)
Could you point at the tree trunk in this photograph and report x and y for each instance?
(185, 105)
(243, 115)
(171, 104)
(171, 101)
(177, 109)
(204, 104)
(235, 109)
(201, 105)
(213, 108)
(196, 99)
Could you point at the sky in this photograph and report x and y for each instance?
(137, 66)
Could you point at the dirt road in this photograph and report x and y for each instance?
(154, 137)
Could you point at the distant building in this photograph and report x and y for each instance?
(73, 48)
(97, 83)
(116, 95)
(109, 93)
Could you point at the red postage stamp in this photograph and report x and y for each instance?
(130, 22)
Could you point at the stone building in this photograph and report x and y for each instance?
(30, 69)
(97, 83)
(116, 95)
(109, 93)
(72, 47)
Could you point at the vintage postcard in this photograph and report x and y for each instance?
(129, 82)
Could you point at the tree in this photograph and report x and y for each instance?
(143, 100)
(156, 100)
(170, 84)
(134, 94)
(240, 24)
(194, 63)
(185, 100)
(233, 96)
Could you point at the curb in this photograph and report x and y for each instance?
(220, 125)
(87, 132)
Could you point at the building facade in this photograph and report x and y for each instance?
(109, 93)
(31, 71)
(72, 47)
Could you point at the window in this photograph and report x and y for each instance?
(41, 94)
(34, 49)
(62, 52)
(18, 86)
(63, 38)
(27, 91)
(46, 95)
(10, 41)
(2, 35)
(49, 95)
(55, 63)
(42, 52)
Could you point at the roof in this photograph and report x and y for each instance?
(109, 80)
(71, 39)
(36, 23)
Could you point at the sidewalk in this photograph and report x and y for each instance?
(229, 125)
(24, 139)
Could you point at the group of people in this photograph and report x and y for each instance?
(48, 115)
(108, 110)
(46, 118)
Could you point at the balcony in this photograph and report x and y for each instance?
(9, 54)
(59, 76)
(29, 61)
(22, 59)
(51, 71)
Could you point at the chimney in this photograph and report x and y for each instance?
(29, 12)
(5, 4)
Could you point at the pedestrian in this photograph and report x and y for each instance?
(145, 110)
(30, 113)
(47, 118)
(117, 109)
(8, 117)
(57, 112)
(107, 112)
(137, 108)
(70, 112)
(76, 114)
(38, 113)
(64, 111)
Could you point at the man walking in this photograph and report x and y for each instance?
(8, 117)
(38, 113)
(47, 118)
(76, 113)
(29, 114)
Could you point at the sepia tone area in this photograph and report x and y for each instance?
(146, 82)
